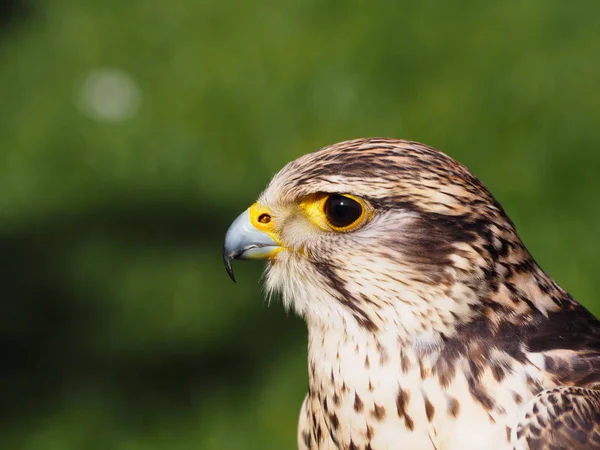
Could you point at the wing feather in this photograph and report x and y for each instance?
(560, 418)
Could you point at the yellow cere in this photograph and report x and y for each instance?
(314, 208)
(262, 219)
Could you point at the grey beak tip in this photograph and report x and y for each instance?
(227, 261)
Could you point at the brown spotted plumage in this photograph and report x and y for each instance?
(430, 324)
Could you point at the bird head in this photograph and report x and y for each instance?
(378, 233)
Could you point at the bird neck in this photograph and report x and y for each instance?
(343, 357)
(345, 349)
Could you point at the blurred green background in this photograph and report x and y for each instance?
(133, 132)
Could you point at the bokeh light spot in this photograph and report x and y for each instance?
(109, 95)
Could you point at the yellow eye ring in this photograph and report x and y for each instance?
(342, 212)
(337, 212)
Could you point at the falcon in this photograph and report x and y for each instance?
(430, 326)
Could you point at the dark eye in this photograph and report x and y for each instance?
(342, 212)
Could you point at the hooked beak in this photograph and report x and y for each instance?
(250, 236)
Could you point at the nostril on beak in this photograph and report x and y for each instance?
(264, 218)
(248, 237)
